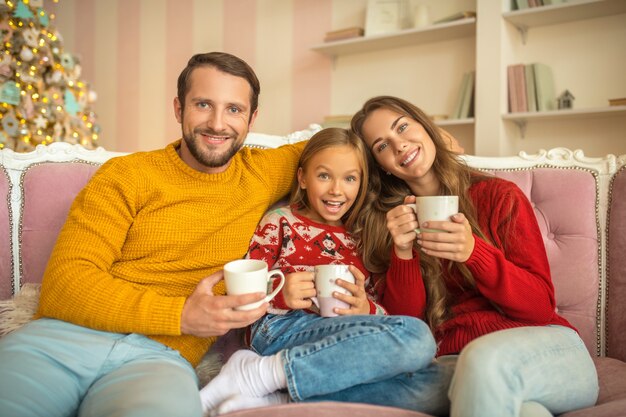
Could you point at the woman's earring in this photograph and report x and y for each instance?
(388, 173)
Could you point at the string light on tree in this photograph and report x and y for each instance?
(42, 98)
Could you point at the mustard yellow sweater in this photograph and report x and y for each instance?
(147, 228)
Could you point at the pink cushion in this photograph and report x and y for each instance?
(616, 251)
(565, 205)
(6, 261)
(49, 190)
(612, 398)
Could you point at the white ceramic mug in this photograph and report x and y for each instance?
(435, 208)
(325, 277)
(246, 276)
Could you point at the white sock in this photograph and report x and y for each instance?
(246, 373)
(239, 402)
(534, 409)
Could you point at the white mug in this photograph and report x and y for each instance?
(325, 277)
(435, 208)
(246, 276)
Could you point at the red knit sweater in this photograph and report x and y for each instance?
(516, 280)
(294, 243)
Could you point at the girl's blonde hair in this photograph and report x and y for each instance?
(330, 138)
(387, 191)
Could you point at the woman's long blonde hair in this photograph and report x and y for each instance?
(330, 138)
(387, 191)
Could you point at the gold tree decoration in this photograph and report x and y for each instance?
(42, 98)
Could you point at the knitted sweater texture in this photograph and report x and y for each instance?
(147, 228)
(294, 243)
(513, 286)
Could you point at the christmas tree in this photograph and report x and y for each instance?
(42, 98)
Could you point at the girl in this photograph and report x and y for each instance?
(313, 357)
(484, 287)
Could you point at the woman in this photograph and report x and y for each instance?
(483, 285)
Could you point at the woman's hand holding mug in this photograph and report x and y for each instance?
(455, 241)
(402, 224)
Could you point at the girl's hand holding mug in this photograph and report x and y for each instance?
(298, 290)
(358, 302)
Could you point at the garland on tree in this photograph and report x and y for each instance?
(42, 98)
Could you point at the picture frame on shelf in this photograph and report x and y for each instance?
(386, 16)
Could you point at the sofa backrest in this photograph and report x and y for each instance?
(616, 271)
(568, 191)
(37, 190)
(565, 203)
(41, 187)
(49, 189)
(6, 259)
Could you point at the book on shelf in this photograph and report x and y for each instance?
(464, 103)
(521, 4)
(520, 86)
(544, 87)
(456, 16)
(531, 96)
(516, 83)
(347, 33)
(512, 92)
(525, 4)
(617, 101)
(467, 107)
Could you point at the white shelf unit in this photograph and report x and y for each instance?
(488, 130)
(562, 13)
(462, 28)
(456, 122)
(520, 119)
(571, 11)
(432, 33)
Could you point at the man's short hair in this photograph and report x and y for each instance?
(224, 62)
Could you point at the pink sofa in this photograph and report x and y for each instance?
(579, 203)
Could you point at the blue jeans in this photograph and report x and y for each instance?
(383, 360)
(51, 368)
(388, 362)
(497, 373)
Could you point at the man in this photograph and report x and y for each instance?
(132, 296)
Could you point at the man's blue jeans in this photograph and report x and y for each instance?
(51, 368)
(383, 360)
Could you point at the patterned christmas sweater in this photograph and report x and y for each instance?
(293, 243)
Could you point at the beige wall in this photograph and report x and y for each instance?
(133, 50)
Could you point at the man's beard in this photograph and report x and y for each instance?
(206, 157)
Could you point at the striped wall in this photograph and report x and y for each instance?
(131, 52)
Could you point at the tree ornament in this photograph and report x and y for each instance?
(22, 11)
(10, 124)
(42, 98)
(10, 93)
(71, 105)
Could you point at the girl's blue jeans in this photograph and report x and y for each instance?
(388, 360)
(384, 360)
